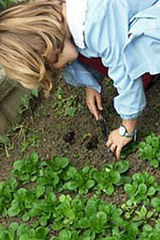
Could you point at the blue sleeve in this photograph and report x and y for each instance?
(77, 75)
(131, 100)
(106, 35)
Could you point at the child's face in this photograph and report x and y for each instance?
(68, 55)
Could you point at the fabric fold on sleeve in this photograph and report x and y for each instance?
(77, 75)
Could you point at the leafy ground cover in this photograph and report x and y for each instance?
(58, 181)
(35, 194)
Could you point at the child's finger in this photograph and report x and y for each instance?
(99, 102)
(93, 110)
(118, 152)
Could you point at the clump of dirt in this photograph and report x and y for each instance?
(69, 137)
(92, 143)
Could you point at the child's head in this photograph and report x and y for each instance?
(31, 38)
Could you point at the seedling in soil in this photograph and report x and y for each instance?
(142, 215)
(33, 140)
(67, 106)
(5, 141)
(142, 188)
(149, 149)
(26, 99)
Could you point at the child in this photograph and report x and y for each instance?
(46, 35)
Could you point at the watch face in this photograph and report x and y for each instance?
(122, 130)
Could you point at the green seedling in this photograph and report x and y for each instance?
(26, 170)
(5, 142)
(67, 106)
(142, 188)
(7, 189)
(111, 176)
(33, 140)
(142, 215)
(81, 180)
(26, 99)
(149, 149)
(150, 233)
(23, 232)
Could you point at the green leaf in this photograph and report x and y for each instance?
(132, 230)
(102, 218)
(143, 211)
(155, 202)
(41, 233)
(40, 191)
(71, 185)
(69, 213)
(65, 234)
(151, 191)
(147, 228)
(25, 217)
(128, 188)
(13, 211)
(35, 92)
(115, 177)
(4, 139)
(110, 190)
(70, 111)
(34, 157)
(127, 215)
(83, 223)
(121, 166)
(60, 162)
(154, 163)
(142, 189)
(90, 183)
(150, 214)
(18, 164)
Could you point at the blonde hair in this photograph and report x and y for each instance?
(31, 37)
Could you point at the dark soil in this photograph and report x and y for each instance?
(79, 138)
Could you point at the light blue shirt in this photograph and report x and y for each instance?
(107, 25)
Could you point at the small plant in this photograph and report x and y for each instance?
(142, 214)
(111, 176)
(150, 150)
(26, 99)
(26, 170)
(142, 188)
(67, 106)
(150, 233)
(22, 231)
(5, 142)
(7, 188)
(33, 140)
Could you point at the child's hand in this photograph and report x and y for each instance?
(94, 102)
(116, 142)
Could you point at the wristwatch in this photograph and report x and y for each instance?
(123, 132)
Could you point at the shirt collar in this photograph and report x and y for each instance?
(76, 15)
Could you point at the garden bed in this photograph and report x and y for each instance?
(62, 126)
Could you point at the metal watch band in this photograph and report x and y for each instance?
(123, 132)
(131, 135)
